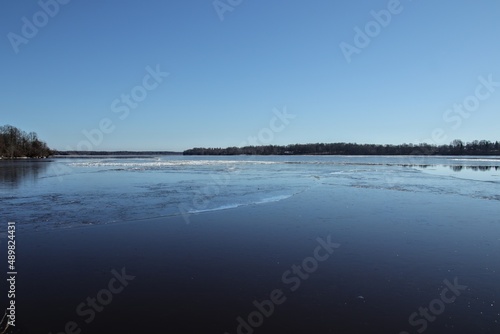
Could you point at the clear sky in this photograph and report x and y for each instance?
(230, 66)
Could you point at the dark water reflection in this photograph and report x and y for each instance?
(458, 168)
(14, 173)
(475, 168)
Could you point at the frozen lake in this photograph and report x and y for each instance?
(418, 243)
(63, 193)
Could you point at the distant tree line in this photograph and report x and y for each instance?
(15, 143)
(457, 147)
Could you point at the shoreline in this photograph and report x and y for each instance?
(125, 156)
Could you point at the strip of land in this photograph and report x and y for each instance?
(457, 147)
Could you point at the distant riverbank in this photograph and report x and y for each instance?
(70, 154)
(22, 158)
(457, 147)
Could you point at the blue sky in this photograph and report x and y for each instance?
(227, 76)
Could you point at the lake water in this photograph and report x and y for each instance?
(64, 193)
(208, 238)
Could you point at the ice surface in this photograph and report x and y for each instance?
(63, 193)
